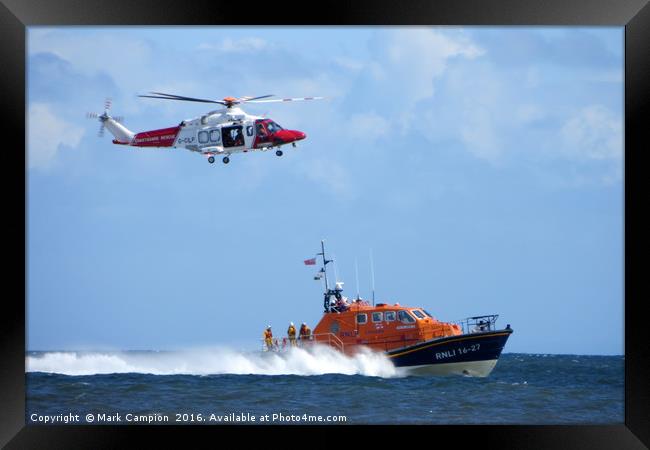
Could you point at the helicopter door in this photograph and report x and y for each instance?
(262, 135)
(232, 136)
(250, 135)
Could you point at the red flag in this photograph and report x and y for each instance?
(310, 262)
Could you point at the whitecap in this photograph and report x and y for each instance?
(316, 360)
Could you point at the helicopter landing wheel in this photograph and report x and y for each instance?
(211, 159)
(278, 152)
(226, 160)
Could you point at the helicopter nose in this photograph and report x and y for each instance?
(299, 135)
(288, 136)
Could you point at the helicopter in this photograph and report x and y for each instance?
(222, 132)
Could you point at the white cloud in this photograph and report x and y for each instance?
(353, 65)
(401, 76)
(328, 173)
(594, 133)
(120, 56)
(424, 54)
(133, 64)
(368, 126)
(478, 134)
(46, 133)
(528, 113)
(250, 44)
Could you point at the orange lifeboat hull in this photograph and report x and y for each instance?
(413, 339)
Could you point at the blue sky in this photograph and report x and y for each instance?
(483, 167)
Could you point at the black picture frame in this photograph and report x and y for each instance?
(634, 15)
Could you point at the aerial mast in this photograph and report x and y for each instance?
(325, 261)
(372, 273)
(324, 272)
(356, 273)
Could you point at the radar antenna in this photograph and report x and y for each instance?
(372, 274)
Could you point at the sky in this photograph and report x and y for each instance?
(481, 166)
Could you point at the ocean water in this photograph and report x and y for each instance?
(223, 386)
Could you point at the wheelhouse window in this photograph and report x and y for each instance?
(362, 318)
(377, 317)
(418, 314)
(405, 317)
(389, 316)
(427, 313)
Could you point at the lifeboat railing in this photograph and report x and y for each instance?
(477, 324)
(283, 344)
(332, 340)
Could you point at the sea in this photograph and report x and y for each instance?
(318, 386)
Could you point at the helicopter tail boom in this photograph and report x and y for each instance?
(122, 134)
(164, 137)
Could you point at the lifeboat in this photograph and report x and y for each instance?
(412, 338)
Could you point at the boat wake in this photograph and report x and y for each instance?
(317, 360)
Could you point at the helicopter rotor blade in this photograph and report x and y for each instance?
(182, 99)
(249, 99)
(101, 130)
(280, 100)
(162, 95)
(228, 101)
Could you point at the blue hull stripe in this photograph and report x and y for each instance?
(463, 348)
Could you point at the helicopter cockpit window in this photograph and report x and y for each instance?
(273, 127)
(204, 120)
(261, 131)
(405, 317)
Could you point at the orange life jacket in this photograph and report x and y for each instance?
(291, 332)
(268, 334)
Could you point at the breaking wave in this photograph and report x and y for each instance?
(317, 360)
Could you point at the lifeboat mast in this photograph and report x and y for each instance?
(336, 292)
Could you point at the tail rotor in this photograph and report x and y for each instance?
(104, 116)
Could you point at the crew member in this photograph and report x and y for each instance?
(480, 326)
(305, 332)
(268, 338)
(291, 333)
(342, 304)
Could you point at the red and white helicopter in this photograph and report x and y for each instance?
(220, 132)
